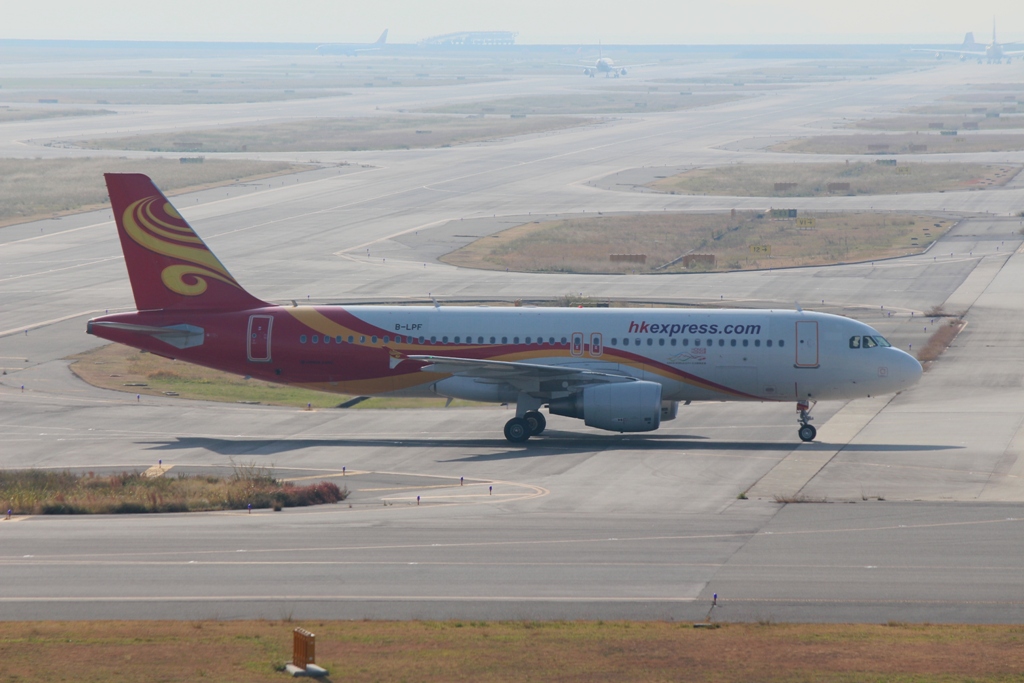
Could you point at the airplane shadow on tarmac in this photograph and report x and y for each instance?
(551, 443)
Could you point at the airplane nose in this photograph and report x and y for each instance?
(908, 370)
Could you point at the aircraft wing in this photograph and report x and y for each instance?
(512, 371)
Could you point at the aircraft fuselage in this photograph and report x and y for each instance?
(696, 355)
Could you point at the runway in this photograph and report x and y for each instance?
(912, 508)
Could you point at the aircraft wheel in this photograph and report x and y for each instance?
(537, 422)
(807, 433)
(517, 430)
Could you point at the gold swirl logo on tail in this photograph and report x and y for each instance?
(155, 225)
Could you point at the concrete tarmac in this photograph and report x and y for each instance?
(911, 504)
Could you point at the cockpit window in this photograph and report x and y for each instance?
(867, 341)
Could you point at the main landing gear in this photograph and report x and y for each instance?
(519, 429)
(806, 432)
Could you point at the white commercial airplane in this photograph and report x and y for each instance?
(353, 49)
(993, 53)
(622, 370)
(605, 65)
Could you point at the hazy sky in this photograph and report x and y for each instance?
(536, 21)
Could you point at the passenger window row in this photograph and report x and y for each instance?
(400, 339)
(637, 341)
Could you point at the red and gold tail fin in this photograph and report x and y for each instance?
(169, 266)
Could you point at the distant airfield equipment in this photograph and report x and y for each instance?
(304, 655)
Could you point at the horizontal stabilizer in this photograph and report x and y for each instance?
(178, 336)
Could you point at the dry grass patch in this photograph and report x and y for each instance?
(585, 245)
(992, 94)
(328, 135)
(906, 143)
(818, 180)
(449, 651)
(940, 340)
(38, 188)
(614, 102)
(959, 110)
(35, 492)
(122, 368)
(944, 122)
(8, 113)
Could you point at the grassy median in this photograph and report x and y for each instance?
(743, 240)
(608, 102)
(942, 122)
(324, 135)
(835, 179)
(486, 651)
(41, 188)
(903, 143)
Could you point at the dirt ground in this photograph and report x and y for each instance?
(426, 652)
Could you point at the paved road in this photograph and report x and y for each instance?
(922, 519)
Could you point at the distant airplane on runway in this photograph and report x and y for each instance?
(604, 65)
(353, 49)
(618, 369)
(993, 53)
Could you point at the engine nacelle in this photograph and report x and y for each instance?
(470, 389)
(669, 410)
(625, 407)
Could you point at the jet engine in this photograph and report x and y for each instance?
(625, 407)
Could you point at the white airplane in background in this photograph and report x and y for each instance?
(993, 53)
(353, 49)
(618, 369)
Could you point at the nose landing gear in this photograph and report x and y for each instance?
(806, 432)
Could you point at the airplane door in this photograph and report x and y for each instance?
(577, 344)
(807, 344)
(259, 338)
(596, 344)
